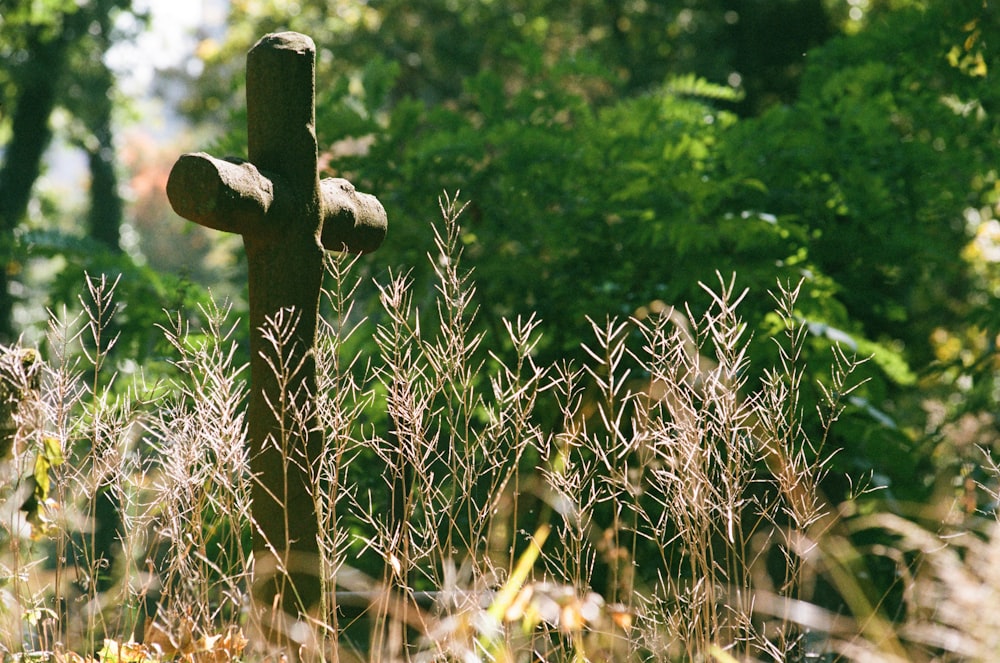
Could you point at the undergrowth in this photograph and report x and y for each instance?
(660, 502)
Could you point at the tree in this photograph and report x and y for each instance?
(53, 56)
(880, 158)
(42, 46)
(890, 160)
(91, 100)
(756, 44)
(581, 206)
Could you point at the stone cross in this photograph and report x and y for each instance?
(287, 217)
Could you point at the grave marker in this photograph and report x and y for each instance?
(287, 217)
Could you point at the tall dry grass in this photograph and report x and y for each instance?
(655, 503)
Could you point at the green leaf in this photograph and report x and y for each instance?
(691, 85)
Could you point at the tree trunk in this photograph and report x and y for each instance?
(94, 107)
(106, 211)
(22, 162)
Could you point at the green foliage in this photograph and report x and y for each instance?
(52, 55)
(607, 180)
(576, 208)
(143, 293)
(881, 168)
(879, 163)
(583, 205)
(21, 17)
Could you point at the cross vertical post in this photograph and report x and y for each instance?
(287, 217)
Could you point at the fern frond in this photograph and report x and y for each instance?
(691, 85)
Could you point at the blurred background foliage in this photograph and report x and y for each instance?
(615, 153)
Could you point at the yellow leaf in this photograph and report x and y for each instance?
(720, 655)
(953, 56)
(126, 652)
(979, 66)
(505, 598)
(52, 450)
(41, 476)
(971, 40)
(512, 587)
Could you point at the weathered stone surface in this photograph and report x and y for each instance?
(220, 194)
(286, 217)
(351, 218)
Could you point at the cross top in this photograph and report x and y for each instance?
(287, 217)
(280, 184)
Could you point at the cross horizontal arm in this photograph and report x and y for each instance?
(218, 194)
(352, 221)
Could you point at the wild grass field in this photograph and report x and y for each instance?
(664, 501)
